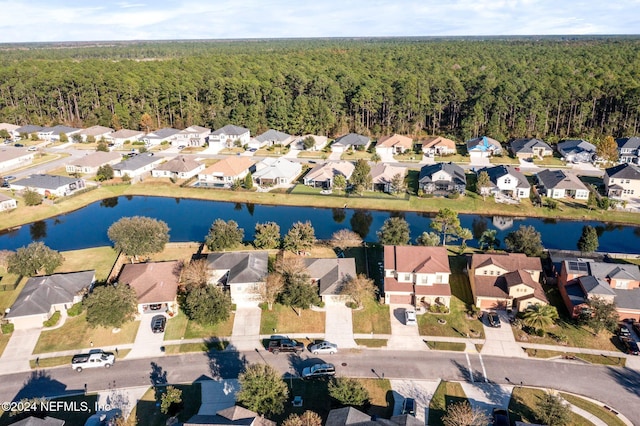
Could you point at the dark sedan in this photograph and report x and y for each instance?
(157, 323)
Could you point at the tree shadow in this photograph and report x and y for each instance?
(627, 378)
(226, 364)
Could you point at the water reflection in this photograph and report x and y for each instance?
(361, 222)
(38, 230)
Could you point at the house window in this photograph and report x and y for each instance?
(425, 279)
(486, 272)
(439, 278)
(621, 284)
(407, 277)
(507, 181)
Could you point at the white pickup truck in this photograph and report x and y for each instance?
(95, 358)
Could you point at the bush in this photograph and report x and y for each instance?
(7, 328)
(453, 195)
(32, 198)
(53, 320)
(320, 304)
(75, 310)
(352, 305)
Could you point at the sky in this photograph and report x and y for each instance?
(91, 20)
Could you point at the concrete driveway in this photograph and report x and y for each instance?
(487, 396)
(404, 337)
(147, 344)
(500, 341)
(420, 390)
(17, 353)
(246, 328)
(338, 327)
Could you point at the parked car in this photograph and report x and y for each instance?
(253, 149)
(32, 148)
(410, 318)
(409, 406)
(19, 145)
(181, 147)
(95, 358)
(157, 323)
(623, 331)
(630, 346)
(318, 371)
(500, 417)
(284, 344)
(493, 319)
(323, 347)
(8, 178)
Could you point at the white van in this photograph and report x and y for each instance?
(95, 358)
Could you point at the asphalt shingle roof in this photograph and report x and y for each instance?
(230, 130)
(45, 181)
(632, 142)
(526, 145)
(497, 172)
(353, 139)
(456, 172)
(136, 162)
(244, 267)
(559, 179)
(273, 135)
(624, 171)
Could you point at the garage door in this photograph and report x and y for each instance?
(28, 322)
(401, 299)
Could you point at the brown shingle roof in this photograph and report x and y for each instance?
(395, 140)
(424, 260)
(433, 290)
(153, 282)
(180, 164)
(508, 262)
(438, 141)
(96, 159)
(231, 166)
(392, 284)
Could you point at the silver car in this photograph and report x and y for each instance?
(323, 347)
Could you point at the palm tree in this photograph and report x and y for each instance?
(540, 317)
(488, 240)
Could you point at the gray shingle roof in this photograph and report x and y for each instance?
(180, 164)
(45, 181)
(56, 130)
(29, 128)
(36, 421)
(596, 286)
(273, 135)
(40, 293)
(353, 139)
(330, 274)
(632, 142)
(164, 133)
(135, 162)
(455, 171)
(497, 172)
(559, 179)
(614, 270)
(624, 171)
(627, 299)
(576, 146)
(231, 130)
(526, 146)
(244, 267)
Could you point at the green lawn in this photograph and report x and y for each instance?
(593, 359)
(196, 347)
(408, 158)
(504, 160)
(554, 160)
(99, 258)
(373, 318)
(600, 412)
(147, 413)
(7, 297)
(446, 346)
(180, 326)
(283, 319)
(447, 393)
(523, 403)
(76, 334)
(4, 339)
(372, 343)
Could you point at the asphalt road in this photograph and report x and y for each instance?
(617, 387)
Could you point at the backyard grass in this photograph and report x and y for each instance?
(523, 403)
(593, 359)
(372, 343)
(283, 319)
(7, 297)
(176, 251)
(99, 258)
(447, 393)
(600, 412)
(76, 334)
(70, 417)
(180, 326)
(372, 318)
(446, 346)
(147, 413)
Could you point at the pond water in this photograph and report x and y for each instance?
(189, 220)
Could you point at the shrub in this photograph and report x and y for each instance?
(32, 198)
(320, 304)
(53, 320)
(352, 305)
(75, 310)
(7, 328)
(453, 195)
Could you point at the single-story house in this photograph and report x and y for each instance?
(97, 133)
(443, 178)
(192, 136)
(322, 175)
(12, 157)
(48, 185)
(276, 171)
(7, 203)
(577, 151)
(394, 144)
(225, 137)
(240, 273)
(90, 163)
(10, 128)
(223, 173)
(349, 416)
(628, 149)
(269, 138)
(382, 176)
(331, 275)
(319, 142)
(527, 149)
(156, 137)
(507, 182)
(29, 129)
(561, 184)
(439, 146)
(232, 416)
(121, 136)
(37, 421)
(622, 181)
(155, 284)
(180, 167)
(352, 140)
(137, 165)
(506, 281)
(417, 275)
(54, 133)
(43, 295)
(483, 147)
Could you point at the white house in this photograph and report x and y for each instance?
(561, 184)
(97, 133)
(50, 185)
(10, 128)
(156, 137)
(226, 136)
(276, 171)
(12, 157)
(89, 164)
(137, 165)
(121, 136)
(507, 182)
(54, 133)
(180, 167)
(240, 273)
(192, 136)
(350, 141)
(7, 203)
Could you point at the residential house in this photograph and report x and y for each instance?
(28, 130)
(96, 133)
(394, 144)
(157, 137)
(583, 279)
(628, 149)
(7, 203)
(137, 165)
(226, 136)
(506, 281)
(50, 185)
(53, 134)
(350, 141)
(276, 171)
(10, 128)
(231, 416)
(223, 173)
(269, 138)
(349, 416)
(12, 157)
(319, 142)
(192, 136)
(483, 147)
(528, 149)
(330, 275)
(507, 181)
(43, 295)
(240, 273)
(442, 178)
(90, 163)
(121, 136)
(622, 182)
(577, 151)
(37, 421)
(561, 184)
(323, 175)
(382, 176)
(417, 275)
(155, 284)
(180, 167)
(438, 146)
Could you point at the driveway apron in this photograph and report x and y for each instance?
(404, 337)
(147, 344)
(420, 390)
(246, 329)
(500, 341)
(338, 326)
(487, 396)
(17, 353)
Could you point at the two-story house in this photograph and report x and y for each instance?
(416, 275)
(442, 178)
(622, 181)
(192, 136)
(505, 281)
(226, 136)
(240, 273)
(506, 182)
(628, 149)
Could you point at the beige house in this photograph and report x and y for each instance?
(192, 136)
(223, 173)
(622, 182)
(121, 136)
(7, 203)
(382, 175)
(330, 275)
(12, 157)
(96, 132)
(10, 128)
(506, 281)
(323, 175)
(155, 284)
(180, 167)
(560, 184)
(242, 274)
(89, 164)
(394, 144)
(319, 142)
(438, 145)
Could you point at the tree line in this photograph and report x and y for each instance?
(549, 88)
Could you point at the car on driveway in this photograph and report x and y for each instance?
(323, 347)
(319, 371)
(253, 149)
(158, 323)
(409, 406)
(410, 318)
(623, 331)
(500, 417)
(630, 346)
(493, 319)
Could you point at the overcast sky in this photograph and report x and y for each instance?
(87, 20)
